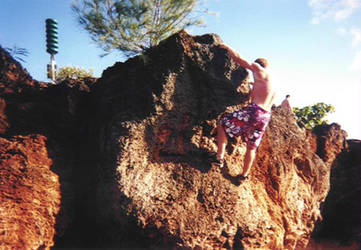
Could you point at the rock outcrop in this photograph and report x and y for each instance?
(42, 132)
(158, 115)
(341, 211)
(331, 141)
(126, 160)
(29, 194)
(13, 77)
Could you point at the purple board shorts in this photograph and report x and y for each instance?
(250, 123)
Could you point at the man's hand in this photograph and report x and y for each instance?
(236, 57)
(223, 46)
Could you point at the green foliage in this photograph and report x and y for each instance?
(18, 53)
(132, 26)
(311, 116)
(72, 72)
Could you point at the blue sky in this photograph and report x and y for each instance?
(314, 46)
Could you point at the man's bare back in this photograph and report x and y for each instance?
(262, 93)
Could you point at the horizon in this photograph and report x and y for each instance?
(314, 47)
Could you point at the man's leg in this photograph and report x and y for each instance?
(221, 141)
(248, 160)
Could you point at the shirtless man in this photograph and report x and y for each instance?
(249, 122)
(286, 103)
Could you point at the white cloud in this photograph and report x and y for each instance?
(342, 14)
(334, 9)
(337, 10)
(356, 36)
(356, 64)
(341, 31)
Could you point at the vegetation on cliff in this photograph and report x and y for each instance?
(312, 116)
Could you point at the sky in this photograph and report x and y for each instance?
(313, 46)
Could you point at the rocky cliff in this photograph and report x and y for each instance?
(125, 162)
(42, 131)
(341, 210)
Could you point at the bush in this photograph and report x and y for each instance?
(72, 72)
(311, 116)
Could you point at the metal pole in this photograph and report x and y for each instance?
(53, 68)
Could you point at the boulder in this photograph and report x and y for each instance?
(157, 115)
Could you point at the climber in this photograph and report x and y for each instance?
(249, 122)
(286, 103)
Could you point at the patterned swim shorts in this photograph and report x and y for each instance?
(250, 123)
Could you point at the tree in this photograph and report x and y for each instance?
(311, 116)
(132, 26)
(18, 53)
(72, 72)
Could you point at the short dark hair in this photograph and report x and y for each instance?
(263, 62)
(287, 96)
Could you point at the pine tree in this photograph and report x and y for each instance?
(132, 26)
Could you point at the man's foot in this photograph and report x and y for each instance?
(219, 162)
(241, 178)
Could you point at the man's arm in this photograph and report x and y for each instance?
(236, 57)
(273, 97)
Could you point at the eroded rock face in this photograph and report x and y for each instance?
(43, 139)
(157, 134)
(341, 211)
(340, 226)
(331, 141)
(29, 194)
(13, 77)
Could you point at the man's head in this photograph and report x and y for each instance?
(263, 62)
(287, 96)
